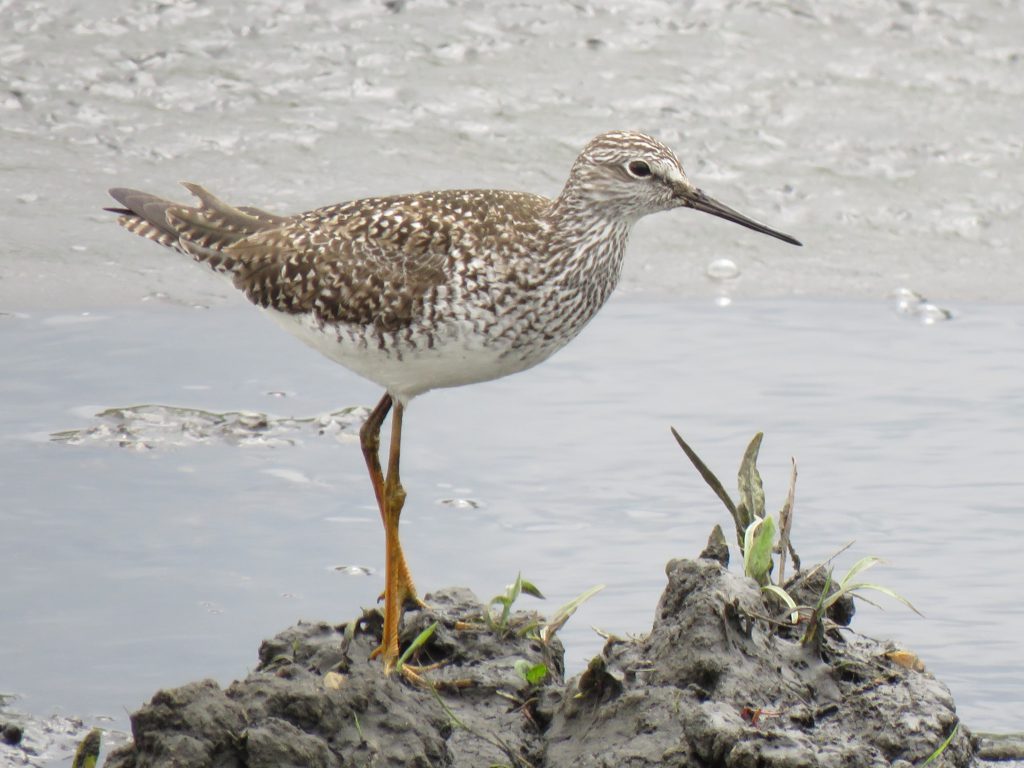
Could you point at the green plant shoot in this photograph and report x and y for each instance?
(757, 549)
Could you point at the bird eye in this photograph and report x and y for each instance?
(639, 169)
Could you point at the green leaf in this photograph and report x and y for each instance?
(757, 549)
(510, 597)
(563, 614)
(751, 504)
(712, 481)
(530, 589)
(415, 645)
(538, 674)
(823, 597)
(534, 674)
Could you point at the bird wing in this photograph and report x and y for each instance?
(375, 261)
(370, 262)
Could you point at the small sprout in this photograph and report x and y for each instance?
(755, 532)
(533, 674)
(563, 614)
(500, 625)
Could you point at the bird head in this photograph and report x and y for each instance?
(627, 175)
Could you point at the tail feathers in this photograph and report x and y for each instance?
(202, 232)
(145, 215)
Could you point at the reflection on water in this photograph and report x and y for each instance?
(125, 571)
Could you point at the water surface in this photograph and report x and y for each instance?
(127, 569)
(885, 136)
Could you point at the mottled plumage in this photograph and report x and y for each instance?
(436, 289)
(439, 288)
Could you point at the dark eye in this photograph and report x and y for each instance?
(639, 168)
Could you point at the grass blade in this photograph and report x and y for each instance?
(415, 645)
(885, 591)
(713, 482)
(942, 747)
(861, 565)
(785, 525)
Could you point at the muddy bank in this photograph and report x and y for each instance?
(41, 742)
(714, 683)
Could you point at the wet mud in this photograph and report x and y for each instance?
(717, 682)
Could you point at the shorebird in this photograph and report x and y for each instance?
(437, 289)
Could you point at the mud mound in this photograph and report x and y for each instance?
(713, 684)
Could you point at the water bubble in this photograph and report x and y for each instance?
(931, 314)
(907, 301)
(723, 269)
(912, 304)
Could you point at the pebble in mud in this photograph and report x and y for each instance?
(11, 733)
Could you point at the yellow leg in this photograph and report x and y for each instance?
(398, 586)
(369, 438)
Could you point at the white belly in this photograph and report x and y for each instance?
(408, 366)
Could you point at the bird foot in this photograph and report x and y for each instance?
(415, 673)
(412, 673)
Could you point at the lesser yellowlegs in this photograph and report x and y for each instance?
(437, 289)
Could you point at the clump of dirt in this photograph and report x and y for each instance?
(316, 700)
(713, 684)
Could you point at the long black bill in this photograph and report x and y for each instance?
(701, 202)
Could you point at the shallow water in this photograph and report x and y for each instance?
(885, 136)
(127, 569)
